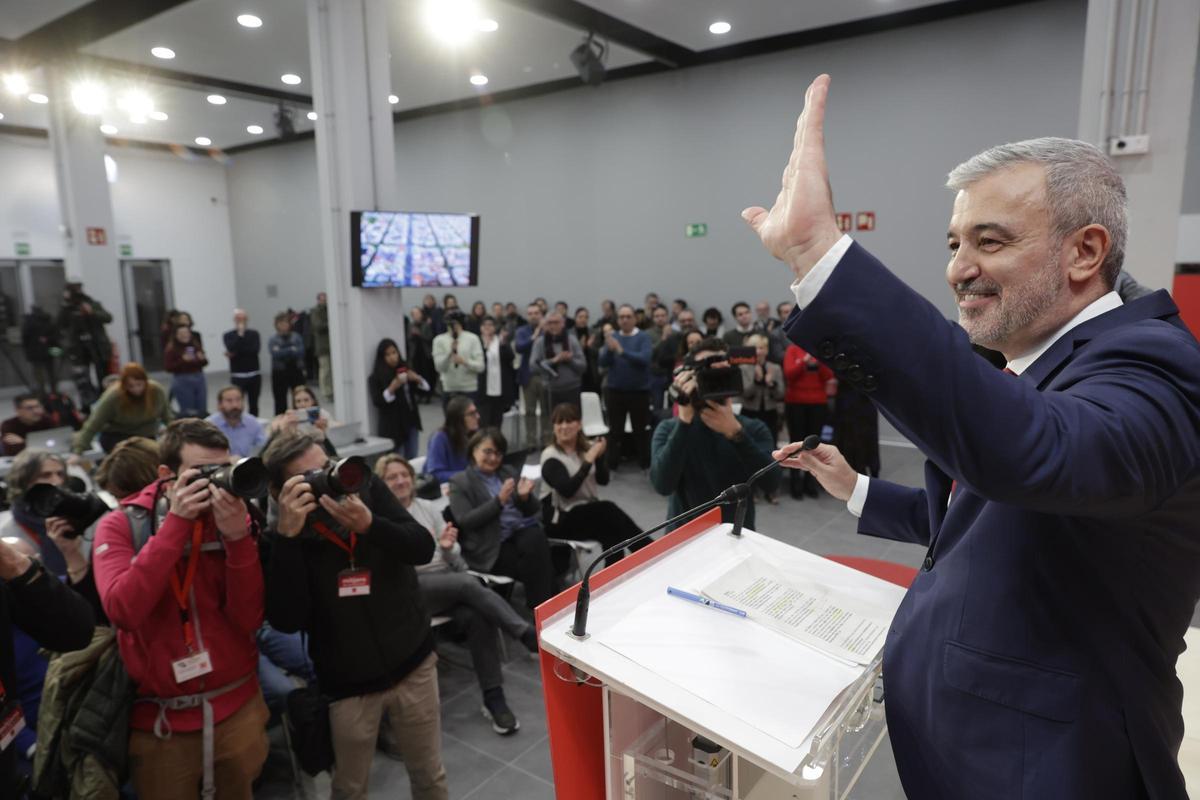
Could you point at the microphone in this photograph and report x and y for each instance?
(739, 493)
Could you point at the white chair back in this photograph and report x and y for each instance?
(593, 416)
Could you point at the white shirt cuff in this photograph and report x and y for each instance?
(807, 288)
(389, 395)
(858, 498)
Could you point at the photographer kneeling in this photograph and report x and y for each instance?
(341, 569)
(695, 462)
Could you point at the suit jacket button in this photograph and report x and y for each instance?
(826, 348)
(869, 384)
(927, 564)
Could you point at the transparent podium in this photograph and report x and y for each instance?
(666, 699)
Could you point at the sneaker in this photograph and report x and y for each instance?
(495, 708)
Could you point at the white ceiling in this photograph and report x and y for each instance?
(19, 17)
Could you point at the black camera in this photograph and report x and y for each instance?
(714, 383)
(340, 478)
(247, 477)
(81, 509)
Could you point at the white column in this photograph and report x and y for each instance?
(356, 171)
(85, 203)
(1138, 67)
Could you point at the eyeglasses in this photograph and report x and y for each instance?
(489, 452)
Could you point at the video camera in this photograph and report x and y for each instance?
(714, 383)
(246, 478)
(341, 478)
(81, 509)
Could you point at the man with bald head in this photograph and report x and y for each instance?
(242, 346)
(1034, 654)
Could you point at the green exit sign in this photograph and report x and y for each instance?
(126, 250)
(696, 229)
(22, 248)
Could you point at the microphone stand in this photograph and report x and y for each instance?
(739, 493)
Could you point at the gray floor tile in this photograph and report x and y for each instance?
(536, 760)
(513, 783)
(461, 718)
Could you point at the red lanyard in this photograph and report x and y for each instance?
(323, 529)
(183, 591)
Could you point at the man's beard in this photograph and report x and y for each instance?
(1017, 309)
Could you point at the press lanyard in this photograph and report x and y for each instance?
(323, 529)
(182, 592)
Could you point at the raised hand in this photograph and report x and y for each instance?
(801, 226)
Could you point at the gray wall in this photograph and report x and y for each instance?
(1191, 175)
(585, 194)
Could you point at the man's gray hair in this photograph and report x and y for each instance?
(1082, 187)
(25, 469)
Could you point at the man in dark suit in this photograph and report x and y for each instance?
(1034, 655)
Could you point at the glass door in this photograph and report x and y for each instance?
(148, 295)
(13, 367)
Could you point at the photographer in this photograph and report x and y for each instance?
(187, 609)
(30, 468)
(341, 569)
(458, 358)
(287, 360)
(707, 448)
(81, 320)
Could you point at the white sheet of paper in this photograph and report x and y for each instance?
(834, 622)
(532, 471)
(733, 663)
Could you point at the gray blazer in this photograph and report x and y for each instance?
(477, 515)
(568, 375)
(759, 396)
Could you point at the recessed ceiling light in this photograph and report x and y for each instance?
(488, 25)
(249, 21)
(39, 98)
(720, 27)
(203, 141)
(15, 83)
(217, 99)
(452, 21)
(255, 129)
(393, 99)
(479, 80)
(89, 98)
(290, 79)
(312, 115)
(162, 52)
(161, 116)
(108, 130)
(136, 103)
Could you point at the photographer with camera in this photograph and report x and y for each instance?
(707, 447)
(458, 358)
(29, 469)
(180, 578)
(342, 569)
(81, 320)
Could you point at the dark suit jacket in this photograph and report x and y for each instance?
(477, 515)
(1034, 655)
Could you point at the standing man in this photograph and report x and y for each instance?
(39, 340)
(82, 319)
(626, 354)
(179, 576)
(318, 320)
(342, 570)
(242, 346)
(743, 325)
(1034, 654)
(559, 357)
(458, 358)
(533, 381)
(763, 321)
(246, 434)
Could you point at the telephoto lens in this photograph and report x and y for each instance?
(247, 477)
(81, 509)
(343, 477)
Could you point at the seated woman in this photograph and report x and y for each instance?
(447, 588)
(572, 469)
(447, 452)
(498, 518)
(134, 406)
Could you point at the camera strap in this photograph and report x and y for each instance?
(182, 591)
(324, 530)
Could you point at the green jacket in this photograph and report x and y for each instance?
(108, 415)
(318, 323)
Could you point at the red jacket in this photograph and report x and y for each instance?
(804, 385)
(137, 597)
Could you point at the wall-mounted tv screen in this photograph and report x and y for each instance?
(414, 248)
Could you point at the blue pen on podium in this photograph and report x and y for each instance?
(704, 601)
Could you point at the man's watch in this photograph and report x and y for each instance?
(739, 436)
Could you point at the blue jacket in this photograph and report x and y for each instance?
(523, 344)
(440, 459)
(1034, 655)
(628, 371)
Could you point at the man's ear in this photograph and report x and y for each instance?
(1086, 251)
(164, 472)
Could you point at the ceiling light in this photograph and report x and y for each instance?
(203, 141)
(39, 98)
(89, 98)
(312, 115)
(452, 21)
(162, 52)
(290, 79)
(249, 21)
(720, 27)
(488, 25)
(161, 116)
(1, 116)
(255, 129)
(136, 103)
(15, 83)
(393, 99)
(109, 130)
(479, 80)
(217, 99)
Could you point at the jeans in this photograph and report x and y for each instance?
(410, 448)
(280, 654)
(191, 392)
